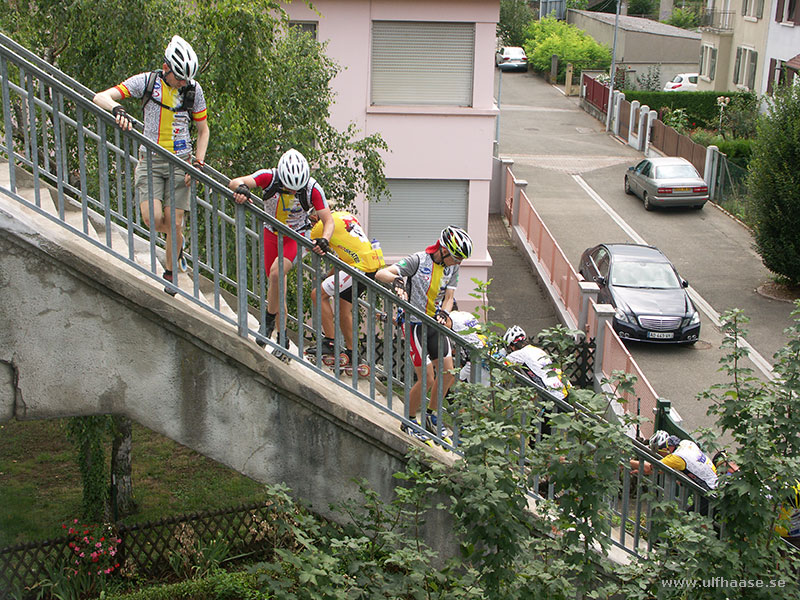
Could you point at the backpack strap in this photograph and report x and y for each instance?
(188, 96)
(148, 88)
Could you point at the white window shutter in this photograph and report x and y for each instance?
(422, 63)
(416, 213)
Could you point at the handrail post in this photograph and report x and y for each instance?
(605, 312)
(241, 270)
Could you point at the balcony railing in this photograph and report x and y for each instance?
(721, 20)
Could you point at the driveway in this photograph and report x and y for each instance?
(575, 171)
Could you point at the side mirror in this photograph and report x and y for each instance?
(600, 280)
(684, 283)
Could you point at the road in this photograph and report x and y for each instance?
(575, 171)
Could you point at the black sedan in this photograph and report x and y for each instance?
(642, 285)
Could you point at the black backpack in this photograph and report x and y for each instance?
(188, 95)
(275, 186)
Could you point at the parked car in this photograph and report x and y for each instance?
(650, 298)
(682, 82)
(666, 181)
(511, 57)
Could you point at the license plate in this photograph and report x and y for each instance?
(681, 189)
(661, 335)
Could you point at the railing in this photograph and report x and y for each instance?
(52, 130)
(721, 20)
(595, 93)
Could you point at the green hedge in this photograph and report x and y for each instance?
(737, 150)
(701, 107)
(217, 586)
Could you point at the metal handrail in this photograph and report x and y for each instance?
(56, 142)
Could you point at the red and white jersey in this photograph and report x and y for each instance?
(286, 207)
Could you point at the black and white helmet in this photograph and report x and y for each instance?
(181, 59)
(661, 440)
(293, 170)
(457, 242)
(514, 335)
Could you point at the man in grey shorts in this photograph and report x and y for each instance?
(173, 101)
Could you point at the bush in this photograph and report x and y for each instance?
(774, 184)
(549, 36)
(685, 18)
(217, 586)
(738, 151)
(641, 8)
(701, 107)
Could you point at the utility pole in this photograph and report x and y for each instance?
(613, 67)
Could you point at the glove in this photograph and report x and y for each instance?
(199, 164)
(323, 244)
(399, 285)
(127, 120)
(443, 317)
(243, 190)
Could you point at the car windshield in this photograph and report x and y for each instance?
(676, 172)
(643, 274)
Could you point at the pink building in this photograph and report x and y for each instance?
(420, 73)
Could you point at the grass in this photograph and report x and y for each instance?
(40, 486)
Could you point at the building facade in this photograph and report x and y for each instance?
(420, 73)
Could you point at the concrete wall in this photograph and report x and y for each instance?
(79, 338)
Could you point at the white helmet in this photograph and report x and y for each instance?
(293, 170)
(660, 440)
(514, 335)
(457, 242)
(181, 59)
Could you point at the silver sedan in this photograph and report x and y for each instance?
(666, 181)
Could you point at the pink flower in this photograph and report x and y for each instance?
(75, 521)
(98, 545)
(82, 555)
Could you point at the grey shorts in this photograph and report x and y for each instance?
(161, 183)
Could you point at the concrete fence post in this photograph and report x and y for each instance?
(589, 291)
(519, 186)
(651, 118)
(710, 173)
(568, 81)
(605, 312)
(554, 68)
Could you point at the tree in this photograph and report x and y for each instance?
(267, 86)
(515, 16)
(685, 18)
(640, 8)
(773, 184)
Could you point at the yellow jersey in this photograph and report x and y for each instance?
(351, 243)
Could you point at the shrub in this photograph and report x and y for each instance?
(549, 36)
(651, 80)
(774, 184)
(641, 8)
(738, 151)
(685, 18)
(701, 107)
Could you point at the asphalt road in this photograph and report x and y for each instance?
(575, 171)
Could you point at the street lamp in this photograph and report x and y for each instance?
(613, 67)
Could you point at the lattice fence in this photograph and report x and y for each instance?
(146, 548)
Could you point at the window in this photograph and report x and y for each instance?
(744, 70)
(708, 61)
(416, 213)
(305, 27)
(753, 8)
(422, 63)
(787, 12)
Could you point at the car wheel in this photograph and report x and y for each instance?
(646, 200)
(627, 186)
(699, 206)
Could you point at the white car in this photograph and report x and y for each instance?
(511, 57)
(682, 82)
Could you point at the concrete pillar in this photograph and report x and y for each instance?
(710, 172)
(554, 68)
(568, 81)
(605, 312)
(651, 118)
(589, 291)
(519, 186)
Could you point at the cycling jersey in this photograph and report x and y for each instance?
(689, 458)
(427, 280)
(351, 243)
(540, 366)
(169, 129)
(286, 207)
(462, 321)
